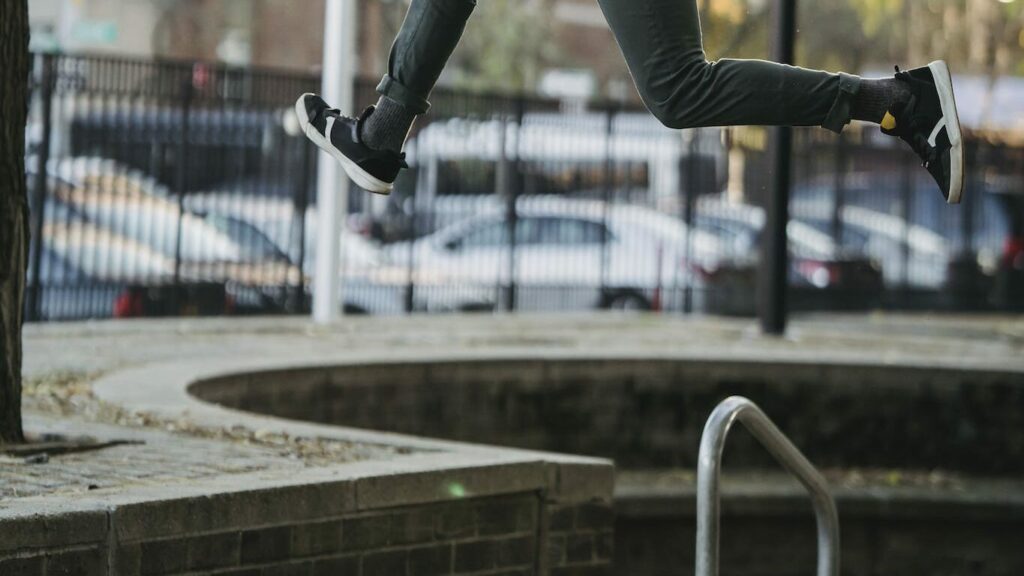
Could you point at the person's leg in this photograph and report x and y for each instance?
(661, 41)
(430, 33)
(369, 148)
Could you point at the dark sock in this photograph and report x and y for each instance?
(388, 126)
(876, 97)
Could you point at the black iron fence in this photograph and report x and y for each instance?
(164, 188)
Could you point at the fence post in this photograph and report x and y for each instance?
(297, 304)
(39, 193)
(409, 297)
(513, 182)
(965, 274)
(839, 191)
(608, 193)
(689, 215)
(905, 203)
(181, 182)
(774, 256)
(980, 163)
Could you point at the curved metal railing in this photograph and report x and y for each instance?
(709, 469)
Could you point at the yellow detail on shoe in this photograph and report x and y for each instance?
(888, 122)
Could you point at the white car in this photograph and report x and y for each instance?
(108, 224)
(370, 283)
(910, 253)
(569, 254)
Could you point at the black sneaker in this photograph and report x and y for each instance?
(928, 122)
(371, 170)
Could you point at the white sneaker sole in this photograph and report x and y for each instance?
(361, 177)
(944, 85)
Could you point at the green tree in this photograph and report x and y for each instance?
(14, 33)
(974, 36)
(507, 46)
(982, 36)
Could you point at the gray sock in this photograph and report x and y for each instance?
(876, 97)
(388, 126)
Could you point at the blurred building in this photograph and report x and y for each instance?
(586, 42)
(239, 32)
(274, 33)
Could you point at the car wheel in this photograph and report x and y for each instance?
(353, 310)
(629, 301)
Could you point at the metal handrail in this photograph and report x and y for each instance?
(709, 469)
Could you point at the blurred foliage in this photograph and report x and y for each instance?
(509, 43)
(977, 36)
(980, 36)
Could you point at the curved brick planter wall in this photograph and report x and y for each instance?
(637, 389)
(649, 413)
(429, 508)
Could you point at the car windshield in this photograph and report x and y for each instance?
(563, 231)
(546, 230)
(852, 238)
(254, 246)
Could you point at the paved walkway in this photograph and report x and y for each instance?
(61, 360)
(153, 456)
(986, 341)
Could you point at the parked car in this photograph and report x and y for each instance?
(83, 270)
(117, 229)
(568, 254)
(910, 255)
(222, 142)
(821, 273)
(1009, 280)
(905, 225)
(370, 283)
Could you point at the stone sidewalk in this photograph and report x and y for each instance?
(183, 467)
(147, 457)
(89, 348)
(61, 356)
(250, 495)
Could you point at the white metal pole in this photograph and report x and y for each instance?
(339, 61)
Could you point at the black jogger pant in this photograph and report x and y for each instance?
(661, 41)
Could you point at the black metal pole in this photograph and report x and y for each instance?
(181, 182)
(981, 160)
(839, 192)
(39, 192)
(689, 214)
(905, 199)
(774, 256)
(607, 195)
(514, 180)
(307, 166)
(409, 295)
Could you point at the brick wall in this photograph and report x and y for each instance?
(488, 536)
(785, 545)
(37, 544)
(496, 536)
(580, 540)
(311, 530)
(650, 414)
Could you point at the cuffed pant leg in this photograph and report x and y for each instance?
(430, 33)
(661, 41)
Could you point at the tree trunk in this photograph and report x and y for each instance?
(13, 209)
